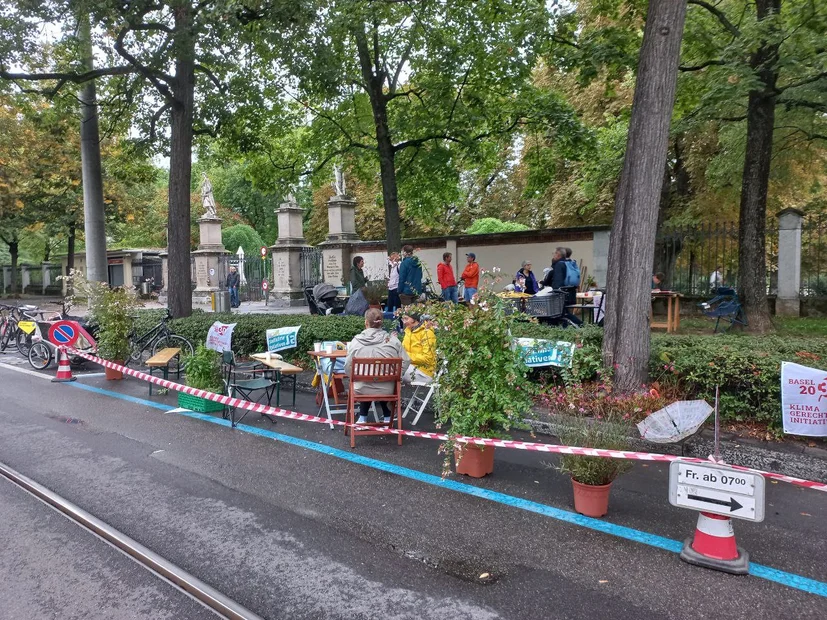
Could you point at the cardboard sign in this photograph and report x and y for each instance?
(540, 353)
(804, 400)
(282, 338)
(220, 336)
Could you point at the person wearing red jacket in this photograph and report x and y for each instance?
(447, 279)
(471, 276)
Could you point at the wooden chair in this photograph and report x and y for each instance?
(375, 370)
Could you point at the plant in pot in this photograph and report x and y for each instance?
(592, 476)
(376, 292)
(111, 309)
(203, 372)
(483, 391)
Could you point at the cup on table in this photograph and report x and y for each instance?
(329, 348)
(317, 346)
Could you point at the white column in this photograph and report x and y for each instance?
(788, 302)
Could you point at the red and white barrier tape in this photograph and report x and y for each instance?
(480, 441)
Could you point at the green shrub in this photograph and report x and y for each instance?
(203, 369)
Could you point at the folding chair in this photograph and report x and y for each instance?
(725, 305)
(244, 387)
(422, 395)
(374, 370)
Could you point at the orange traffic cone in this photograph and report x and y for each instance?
(64, 368)
(714, 546)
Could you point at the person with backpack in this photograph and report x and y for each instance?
(557, 278)
(572, 270)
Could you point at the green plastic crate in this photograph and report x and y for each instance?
(195, 403)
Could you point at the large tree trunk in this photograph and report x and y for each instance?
(752, 264)
(373, 82)
(70, 258)
(180, 166)
(676, 188)
(14, 252)
(632, 245)
(93, 209)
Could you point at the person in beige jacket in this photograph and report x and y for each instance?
(374, 342)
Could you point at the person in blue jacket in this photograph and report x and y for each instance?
(410, 277)
(525, 272)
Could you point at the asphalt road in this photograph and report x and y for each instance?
(292, 532)
(52, 568)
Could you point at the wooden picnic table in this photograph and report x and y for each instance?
(673, 311)
(282, 368)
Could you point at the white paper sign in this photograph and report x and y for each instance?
(282, 338)
(220, 336)
(804, 400)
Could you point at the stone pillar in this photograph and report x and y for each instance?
(208, 268)
(287, 254)
(6, 280)
(46, 270)
(162, 294)
(788, 302)
(341, 235)
(600, 257)
(25, 277)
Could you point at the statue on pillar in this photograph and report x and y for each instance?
(339, 181)
(207, 198)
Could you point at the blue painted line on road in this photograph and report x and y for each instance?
(791, 580)
(126, 397)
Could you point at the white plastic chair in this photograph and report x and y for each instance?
(423, 392)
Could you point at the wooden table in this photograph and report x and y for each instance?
(673, 311)
(585, 301)
(326, 384)
(282, 368)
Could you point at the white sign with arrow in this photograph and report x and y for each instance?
(713, 487)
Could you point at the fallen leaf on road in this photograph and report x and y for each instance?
(536, 482)
(806, 514)
(603, 581)
(773, 481)
(484, 576)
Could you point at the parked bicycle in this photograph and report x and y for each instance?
(41, 352)
(9, 317)
(157, 338)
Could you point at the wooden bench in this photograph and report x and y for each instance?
(162, 360)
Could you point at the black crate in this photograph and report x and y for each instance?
(548, 305)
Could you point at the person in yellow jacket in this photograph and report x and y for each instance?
(419, 343)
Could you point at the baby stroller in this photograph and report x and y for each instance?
(322, 299)
(725, 305)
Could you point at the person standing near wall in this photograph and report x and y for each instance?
(233, 280)
(447, 279)
(393, 282)
(471, 276)
(410, 277)
(531, 287)
(357, 275)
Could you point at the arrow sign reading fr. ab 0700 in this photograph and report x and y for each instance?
(715, 488)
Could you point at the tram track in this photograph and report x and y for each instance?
(176, 576)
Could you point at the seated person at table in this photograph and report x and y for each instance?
(657, 281)
(531, 287)
(374, 342)
(420, 345)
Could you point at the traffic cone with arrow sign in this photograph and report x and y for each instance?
(714, 545)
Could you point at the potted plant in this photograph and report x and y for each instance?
(111, 310)
(376, 291)
(592, 476)
(483, 391)
(203, 372)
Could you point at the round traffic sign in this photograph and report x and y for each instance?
(263, 251)
(64, 333)
(264, 285)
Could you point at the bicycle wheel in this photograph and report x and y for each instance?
(24, 342)
(174, 342)
(40, 356)
(8, 339)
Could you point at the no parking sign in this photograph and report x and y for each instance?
(64, 333)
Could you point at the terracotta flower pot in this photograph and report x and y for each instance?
(591, 500)
(112, 374)
(473, 461)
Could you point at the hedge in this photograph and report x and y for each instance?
(746, 368)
